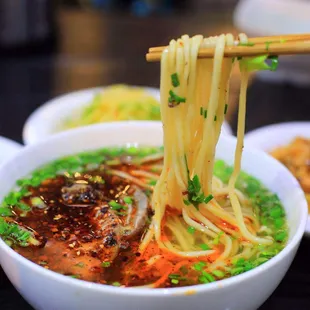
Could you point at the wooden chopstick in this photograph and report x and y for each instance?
(257, 40)
(281, 45)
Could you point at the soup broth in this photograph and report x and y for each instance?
(85, 216)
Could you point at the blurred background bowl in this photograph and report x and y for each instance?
(276, 17)
(51, 116)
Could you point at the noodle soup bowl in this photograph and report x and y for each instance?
(45, 289)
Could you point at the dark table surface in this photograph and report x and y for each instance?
(96, 49)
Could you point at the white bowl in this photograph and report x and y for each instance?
(47, 119)
(47, 290)
(268, 138)
(8, 148)
(277, 17)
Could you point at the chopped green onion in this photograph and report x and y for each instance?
(217, 238)
(174, 99)
(204, 247)
(279, 222)
(116, 284)
(236, 271)
(105, 264)
(152, 182)
(22, 206)
(116, 206)
(186, 202)
(201, 110)
(267, 43)
(205, 114)
(208, 276)
(198, 266)
(191, 230)
(175, 281)
(218, 273)
(174, 276)
(258, 63)
(208, 198)
(280, 236)
(225, 109)
(128, 200)
(238, 262)
(175, 80)
(203, 279)
(74, 276)
(215, 118)
(5, 211)
(276, 212)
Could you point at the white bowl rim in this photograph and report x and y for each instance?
(30, 130)
(9, 148)
(255, 137)
(134, 291)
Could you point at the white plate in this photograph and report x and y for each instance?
(270, 137)
(8, 148)
(44, 121)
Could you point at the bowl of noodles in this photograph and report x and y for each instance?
(154, 215)
(92, 106)
(56, 259)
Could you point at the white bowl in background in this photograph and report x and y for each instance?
(47, 119)
(260, 18)
(8, 148)
(45, 289)
(269, 137)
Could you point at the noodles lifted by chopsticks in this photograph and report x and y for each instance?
(194, 96)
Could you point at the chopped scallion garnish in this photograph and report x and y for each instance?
(105, 264)
(127, 199)
(116, 206)
(175, 80)
(225, 108)
(218, 273)
(217, 238)
(267, 43)
(198, 266)
(191, 230)
(204, 247)
(174, 100)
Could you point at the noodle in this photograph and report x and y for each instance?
(189, 150)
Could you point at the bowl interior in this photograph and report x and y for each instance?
(270, 172)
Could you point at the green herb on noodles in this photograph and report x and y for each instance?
(175, 80)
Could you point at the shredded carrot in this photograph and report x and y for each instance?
(165, 276)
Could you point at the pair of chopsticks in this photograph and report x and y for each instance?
(272, 45)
